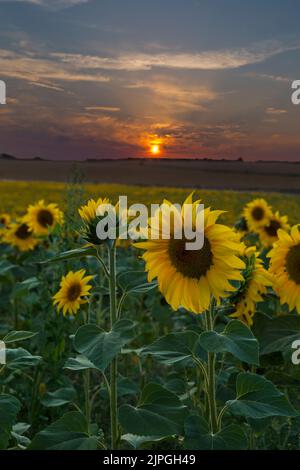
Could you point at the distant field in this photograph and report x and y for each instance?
(202, 174)
(15, 196)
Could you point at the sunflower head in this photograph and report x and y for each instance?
(88, 212)
(257, 214)
(93, 213)
(256, 282)
(73, 292)
(285, 266)
(5, 219)
(268, 232)
(19, 235)
(190, 278)
(42, 218)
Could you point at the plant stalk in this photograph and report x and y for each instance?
(114, 364)
(211, 373)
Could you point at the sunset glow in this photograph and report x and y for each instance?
(155, 149)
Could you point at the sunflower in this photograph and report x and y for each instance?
(257, 280)
(74, 289)
(42, 217)
(268, 233)
(189, 278)
(19, 235)
(257, 214)
(88, 212)
(5, 219)
(285, 265)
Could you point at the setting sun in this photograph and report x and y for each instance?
(155, 149)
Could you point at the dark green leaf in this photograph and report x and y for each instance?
(71, 254)
(236, 339)
(257, 397)
(199, 437)
(70, 432)
(9, 408)
(100, 347)
(173, 348)
(60, 397)
(159, 414)
(14, 336)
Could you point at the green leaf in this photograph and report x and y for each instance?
(173, 348)
(9, 409)
(70, 432)
(138, 441)
(72, 254)
(20, 358)
(276, 334)
(199, 437)
(22, 288)
(14, 336)
(101, 347)
(258, 398)
(79, 363)
(236, 339)
(159, 414)
(135, 282)
(60, 397)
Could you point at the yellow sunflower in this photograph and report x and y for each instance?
(268, 233)
(88, 212)
(285, 266)
(5, 219)
(42, 217)
(73, 292)
(19, 235)
(257, 280)
(257, 214)
(189, 278)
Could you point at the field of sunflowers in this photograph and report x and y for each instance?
(145, 345)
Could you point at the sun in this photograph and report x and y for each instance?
(155, 149)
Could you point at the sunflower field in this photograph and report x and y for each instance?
(123, 344)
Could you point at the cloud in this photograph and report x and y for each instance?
(33, 68)
(275, 111)
(175, 96)
(207, 60)
(110, 109)
(50, 4)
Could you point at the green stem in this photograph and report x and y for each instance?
(114, 364)
(211, 374)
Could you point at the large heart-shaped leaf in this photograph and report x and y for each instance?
(158, 414)
(236, 339)
(199, 437)
(9, 408)
(70, 432)
(20, 358)
(60, 397)
(100, 347)
(276, 334)
(14, 336)
(257, 397)
(174, 348)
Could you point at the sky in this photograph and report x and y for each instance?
(150, 78)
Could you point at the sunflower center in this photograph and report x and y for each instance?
(272, 228)
(74, 292)
(2, 221)
(45, 218)
(293, 263)
(190, 263)
(23, 232)
(258, 213)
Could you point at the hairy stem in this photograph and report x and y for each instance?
(114, 364)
